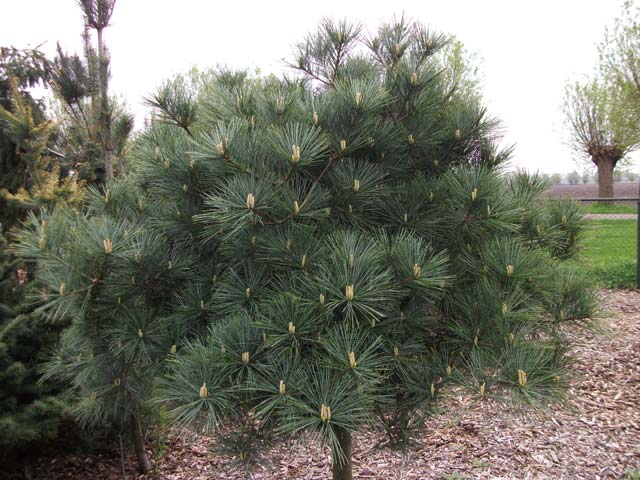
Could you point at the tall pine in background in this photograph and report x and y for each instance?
(96, 127)
(311, 254)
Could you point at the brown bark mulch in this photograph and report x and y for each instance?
(595, 436)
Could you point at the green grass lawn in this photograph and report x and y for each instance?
(610, 247)
(610, 208)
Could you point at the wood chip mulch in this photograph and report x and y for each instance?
(595, 436)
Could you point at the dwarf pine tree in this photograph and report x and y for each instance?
(310, 254)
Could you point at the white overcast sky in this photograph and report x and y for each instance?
(529, 48)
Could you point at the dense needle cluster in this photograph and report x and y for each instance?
(314, 254)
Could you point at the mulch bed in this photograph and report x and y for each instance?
(595, 436)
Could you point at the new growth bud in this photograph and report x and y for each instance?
(203, 391)
(325, 413)
(185, 188)
(414, 78)
(348, 292)
(396, 351)
(245, 357)
(430, 197)
(292, 328)
(352, 360)
(522, 378)
(138, 256)
(433, 389)
(509, 270)
(303, 261)
(483, 388)
(410, 139)
(356, 185)
(280, 104)
(251, 201)
(321, 299)
(449, 370)
(315, 119)
(474, 195)
(358, 98)
(62, 288)
(140, 333)
(174, 348)
(295, 153)
(296, 207)
(458, 135)
(417, 271)
(247, 293)
(108, 246)
(220, 149)
(343, 145)
(282, 388)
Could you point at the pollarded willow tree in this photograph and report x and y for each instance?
(603, 128)
(314, 254)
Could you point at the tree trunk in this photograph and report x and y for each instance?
(605, 176)
(105, 115)
(144, 465)
(342, 470)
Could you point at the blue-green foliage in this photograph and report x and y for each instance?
(310, 255)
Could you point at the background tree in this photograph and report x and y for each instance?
(30, 179)
(620, 56)
(602, 129)
(310, 254)
(95, 127)
(97, 15)
(573, 178)
(586, 176)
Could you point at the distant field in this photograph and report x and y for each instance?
(590, 190)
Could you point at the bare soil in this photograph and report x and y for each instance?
(595, 436)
